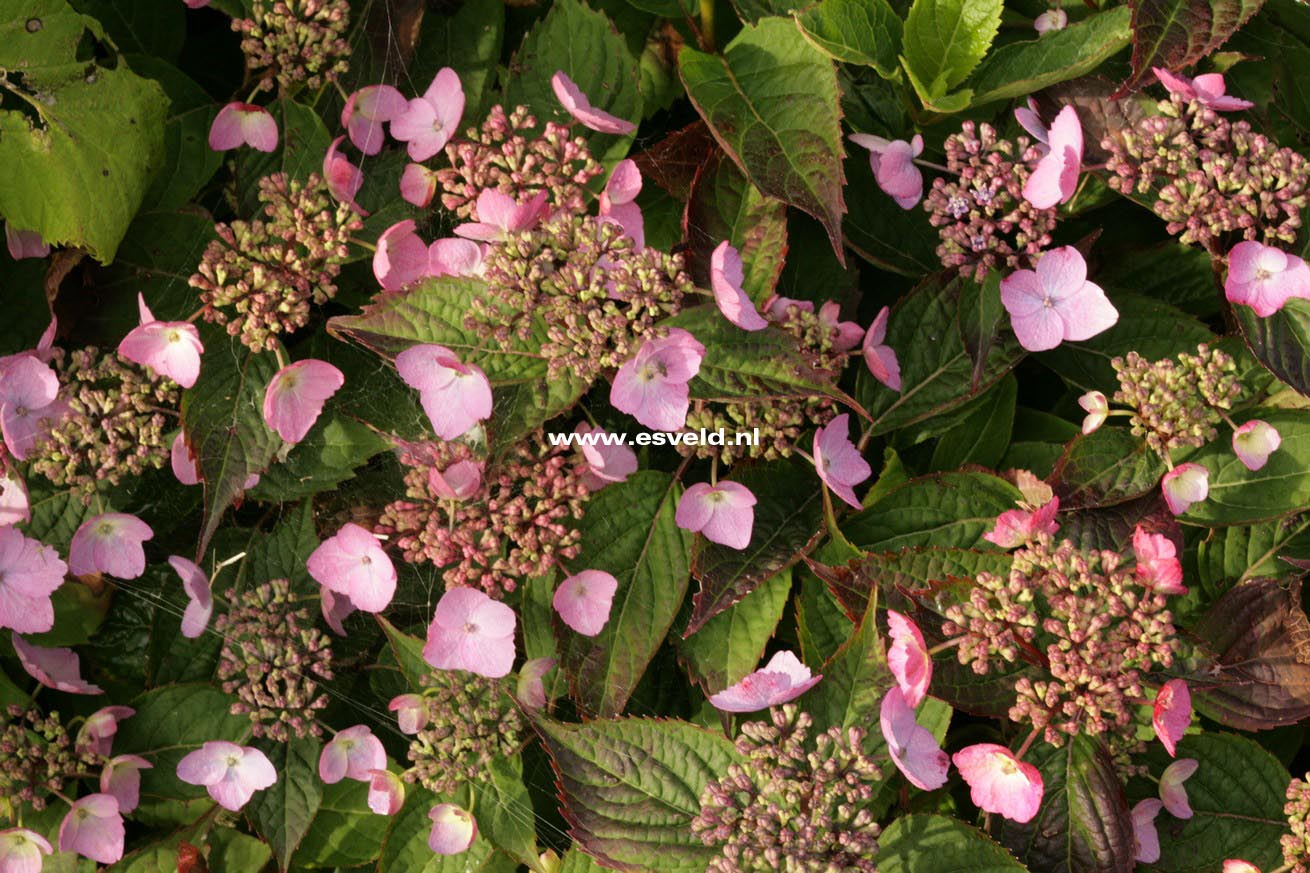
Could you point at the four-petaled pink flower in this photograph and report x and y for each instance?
(838, 463)
(1254, 442)
(21, 850)
(200, 599)
(913, 748)
(908, 658)
(295, 396)
(618, 202)
(879, 357)
(56, 668)
(1146, 840)
(1184, 485)
(93, 828)
(781, 680)
(418, 185)
(584, 600)
(892, 162)
(110, 544)
(352, 754)
(1158, 566)
(428, 122)
(652, 386)
(343, 178)
(25, 243)
(411, 712)
(30, 571)
(1056, 176)
(351, 562)
(723, 513)
(1265, 278)
(726, 276)
(121, 778)
(453, 829)
(243, 124)
(455, 395)
(1172, 791)
(1172, 714)
(1208, 89)
(1015, 527)
(471, 632)
(577, 105)
(499, 215)
(97, 732)
(365, 113)
(1097, 407)
(28, 388)
(170, 348)
(402, 258)
(605, 462)
(1055, 302)
(999, 782)
(230, 773)
(386, 792)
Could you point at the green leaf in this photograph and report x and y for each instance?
(1238, 495)
(854, 680)
(882, 233)
(1105, 467)
(283, 813)
(864, 32)
(982, 436)
(731, 643)
(937, 844)
(1177, 33)
(772, 102)
(637, 818)
(908, 569)
(821, 626)
(947, 510)
(944, 40)
(469, 42)
(345, 832)
(1281, 342)
(150, 27)
(408, 652)
(504, 811)
(231, 851)
(329, 454)
(1231, 555)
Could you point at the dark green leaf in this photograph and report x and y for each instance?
(947, 510)
(937, 844)
(856, 32)
(1240, 495)
(283, 813)
(731, 643)
(1177, 33)
(1281, 342)
(1105, 467)
(469, 42)
(345, 832)
(981, 437)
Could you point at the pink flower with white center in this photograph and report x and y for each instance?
(343, 178)
(411, 712)
(618, 202)
(386, 792)
(1265, 278)
(1051, 19)
(577, 105)
(453, 829)
(200, 598)
(652, 387)
(846, 334)
(879, 357)
(230, 773)
(471, 632)
(913, 748)
(418, 185)
(93, 828)
(28, 388)
(908, 658)
(25, 243)
(531, 691)
(97, 732)
(21, 851)
(1184, 485)
(240, 124)
(723, 513)
(1173, 714)
(726, 276)
(183, 464)
(1237, 865)
(1097, 408)
(584, 600)
(500, 214)
(170, 348)
(456, 396)
(1173, 794)
(336, 608)
(1056, 176)
(295, 396)
(1146, 840)
(352, 754)
(15, 507)
(30, 571)
(428, 122)
(781, 680)
(55, 668)
(460, 481)
(351, 562)
(892, 162)
(1254, 442)
(1209, 89)
(1015, 527)
(605, 462)
(1055, 303)
(999, 782)
(837, 461)
(365, 113)
(1158, 566)
(110, 544)
(121, 778)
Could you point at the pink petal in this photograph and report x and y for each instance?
(418, 185)
(577, 105)
(723, 513)
(295, 396)
(343, 178)
(429, 122)
(912, 747)
(352, 754)
(455, 257)
(908, 658)
(455, 396)
(201, 601)
(170, 348)
(652, 386)
(386, 792)
(365, 112)
(725, 280)
(401, 258)
(411, 712)
(1097, 407)
(97, 732)
(1254, 442)
(1184, 485)
(243, 124)
(15, 507)
(1180, 85)
(121, 778)
(352, 563)
(25, 243)
(1237, 865)
(837, 461)
(584, 599)
(1146, 840)
(460, 481)
(471, 632)
(453, 829)
(22, 849)
(184, 466)
(30, 572)
(624, 183)
(531, 691)
(1173, 794)
(1157, 564)
(606, 462)
(93, 828)
(999, 782)
(781, 680)
(111, 544)
(1173, 713)
(54, 668)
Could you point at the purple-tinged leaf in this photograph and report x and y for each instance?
(1177, 33)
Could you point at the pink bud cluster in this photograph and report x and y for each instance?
(38, 756)
(296, 42)
(1296, 844)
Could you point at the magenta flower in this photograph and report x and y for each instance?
(652, 387)
(25, 243)
(93, 828)
(1265, 278)
(121, 779)
(428, 122)
(848, 334)
(365, 113)
(230, 773)
(200, 599)
(1173, 794)
(606, 463)
(55, 668)
(1184, 485)
(999, 782)
(1097, 407)
(1056, 176)
(1209, 90)
(577, 105)
(418, 185)
(343, 178)
(1254, 442)
(386, 792)
(243, 124)
(453, 829)
(723, 513)
(183, 464)
(196, 4)
(170, 348)
(531, 690)
(15, 507)
(110, 544)
(913, 747)
(500, 214)
(97, 732)
(456, 396)
(781, 680)
(1146, 840)
(352, 754)
(837, 461)
(471, 632)
(584, 599)
(1051, 19)
(30, 571)
(725, 281)
(1015, 527)
(21, 850)
(411, 712)
(908, 658)
(879, 357)
(1173, 713)
(618, 202)
(1055, 303)
(892, 162)
(28, 388)
(295, 396)
(1158, 566)
(351, 562)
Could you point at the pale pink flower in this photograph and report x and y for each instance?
(351, 562)
(365, 113)
(352, 754)
(908, 657)
(1184, 485)
(781, 680)
(25, 243)
(1237, 865)
(1254, 442)
(386, 792)
(460, 481)
(726, 276)
(652, 386)
(913, 747)
(499, 215)
(343, 178)
(577, 105)
(184, 466)
(121, 778)
(455, 395)
(21, 850)
(531, 691)
(847, 334)
(28, 388)
(1172, 714)
(453, 829)
(1031, 120)
(243, 124)
(402, 258)
(1055, 303)
(200, 599)
(15, 507)
(1015, 527)
(428, 122)
(230, 773)
(999, 782)
(584, 600)
(418, 185)
(618, 201)
(295, 396)
(336, 608)
(110, 544)
(411, 712)
(837, 461)
(93, 828)
(1158, 566)
(1051, 19)
(605, 462)
(1172, 791)
(56, 668)
(892, 162)
(723, 513)
(1208, 89)
(879, 357)
(1056, 176)
(97, 732)
(453, 256)
(471, 632)
(1265, 278)
(1097, 407)
(30, 571)
(170, 348)
(1146, 840)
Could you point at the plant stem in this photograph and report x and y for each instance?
(707, 25)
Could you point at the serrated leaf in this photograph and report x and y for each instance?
(947, 510)
(468, 41)
(345, 832)
(335, 447)
(1238, 495)
(731, 643)
(1281, 342)
(854, 680)
(1177, 33)
(1231, 555)
(864, 32)
(911, 569)
(1105, 467)
(505, 814)
(944, 40)
(283, 813)
(821, 626)
(938, 844)
(982, 437)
